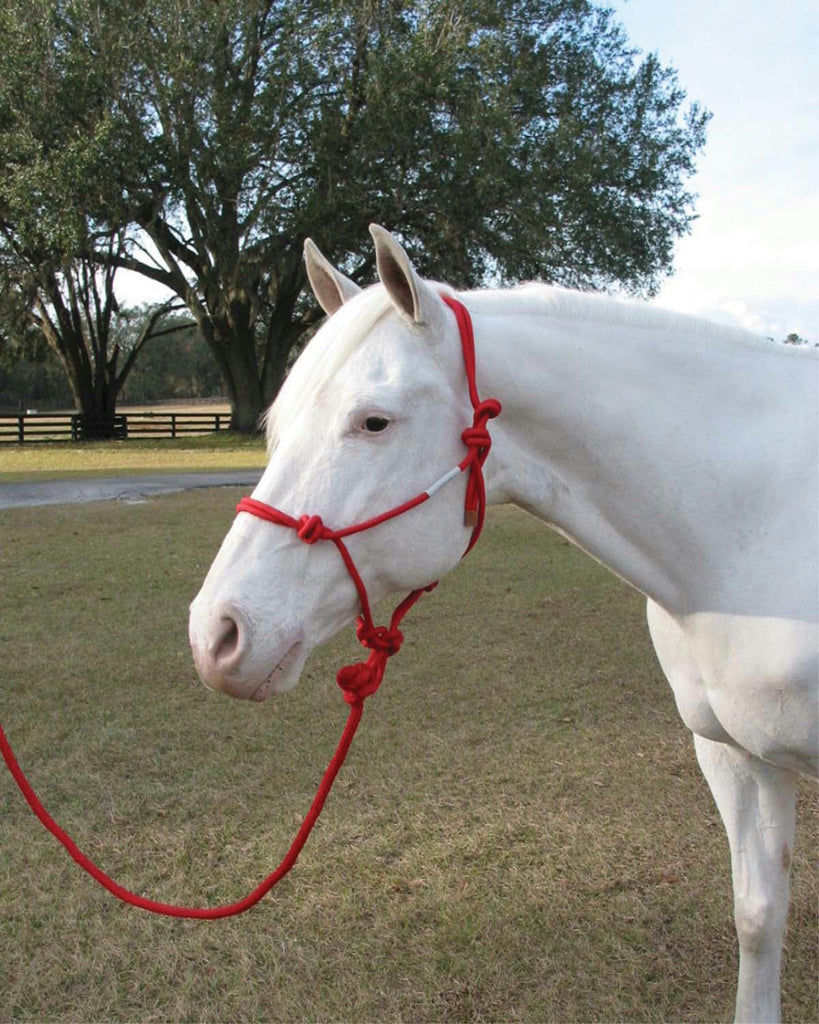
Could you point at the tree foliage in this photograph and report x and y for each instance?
(67, 304)
(32, 383)
(502, 139)
(177, 365)
(57, 262)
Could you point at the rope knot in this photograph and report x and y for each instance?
(477, 436)
(361, 680)
(488, 409)
(379, 638)
(478, 441)
(310, 529)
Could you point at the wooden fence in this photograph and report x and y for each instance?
(51, 427)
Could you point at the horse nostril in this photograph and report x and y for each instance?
(225, 644)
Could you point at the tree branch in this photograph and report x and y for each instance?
(145, 334)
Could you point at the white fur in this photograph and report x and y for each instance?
(681, 455)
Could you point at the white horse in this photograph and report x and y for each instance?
(680, 454)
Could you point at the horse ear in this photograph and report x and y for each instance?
(330, 286)
(411, 296)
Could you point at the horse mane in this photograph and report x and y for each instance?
(344, 332)
(535, 299)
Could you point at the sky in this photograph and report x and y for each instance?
(752, 257)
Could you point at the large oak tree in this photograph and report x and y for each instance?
(501, 139)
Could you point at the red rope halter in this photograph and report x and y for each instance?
(357, 681)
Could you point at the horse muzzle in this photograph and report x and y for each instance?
(232, 659)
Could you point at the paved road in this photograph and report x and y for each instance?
(123, 488)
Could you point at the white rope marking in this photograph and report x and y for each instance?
(444, 480)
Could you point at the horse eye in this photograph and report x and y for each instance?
(375, 424)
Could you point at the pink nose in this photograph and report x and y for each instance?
(225, 646)
(219, 650)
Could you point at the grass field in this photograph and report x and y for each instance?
(119, 458)
(520, 834)
(171, 405)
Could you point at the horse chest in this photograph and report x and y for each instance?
(750, 681)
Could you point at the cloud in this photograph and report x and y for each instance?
(752, 257)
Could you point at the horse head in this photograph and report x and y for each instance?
(370, 415)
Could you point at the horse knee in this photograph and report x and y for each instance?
(760, 923)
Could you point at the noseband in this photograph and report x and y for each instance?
(362, 679)
(357, 681)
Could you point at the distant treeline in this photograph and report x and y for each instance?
(177, 365)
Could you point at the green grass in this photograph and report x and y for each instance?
(119, 458)
(520, 834)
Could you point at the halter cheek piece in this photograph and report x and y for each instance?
(357, 681)
(361, 680)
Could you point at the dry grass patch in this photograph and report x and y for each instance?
(521, 832)
(118, 458)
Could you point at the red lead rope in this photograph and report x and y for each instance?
(357, 681)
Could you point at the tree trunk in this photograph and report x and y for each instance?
(95, 393)
(246, 406)
(284, 330)
(96, 397)
(282, 336)
(235, 353)
(90, 370)
(275, 370)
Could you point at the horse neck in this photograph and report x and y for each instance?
(621, 434)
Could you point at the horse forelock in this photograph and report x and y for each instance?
(326, 352)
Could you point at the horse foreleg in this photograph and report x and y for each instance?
(757, 804)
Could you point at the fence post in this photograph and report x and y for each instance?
(173, 424)
(21, 428)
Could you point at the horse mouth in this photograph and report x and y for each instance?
(277, 681)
